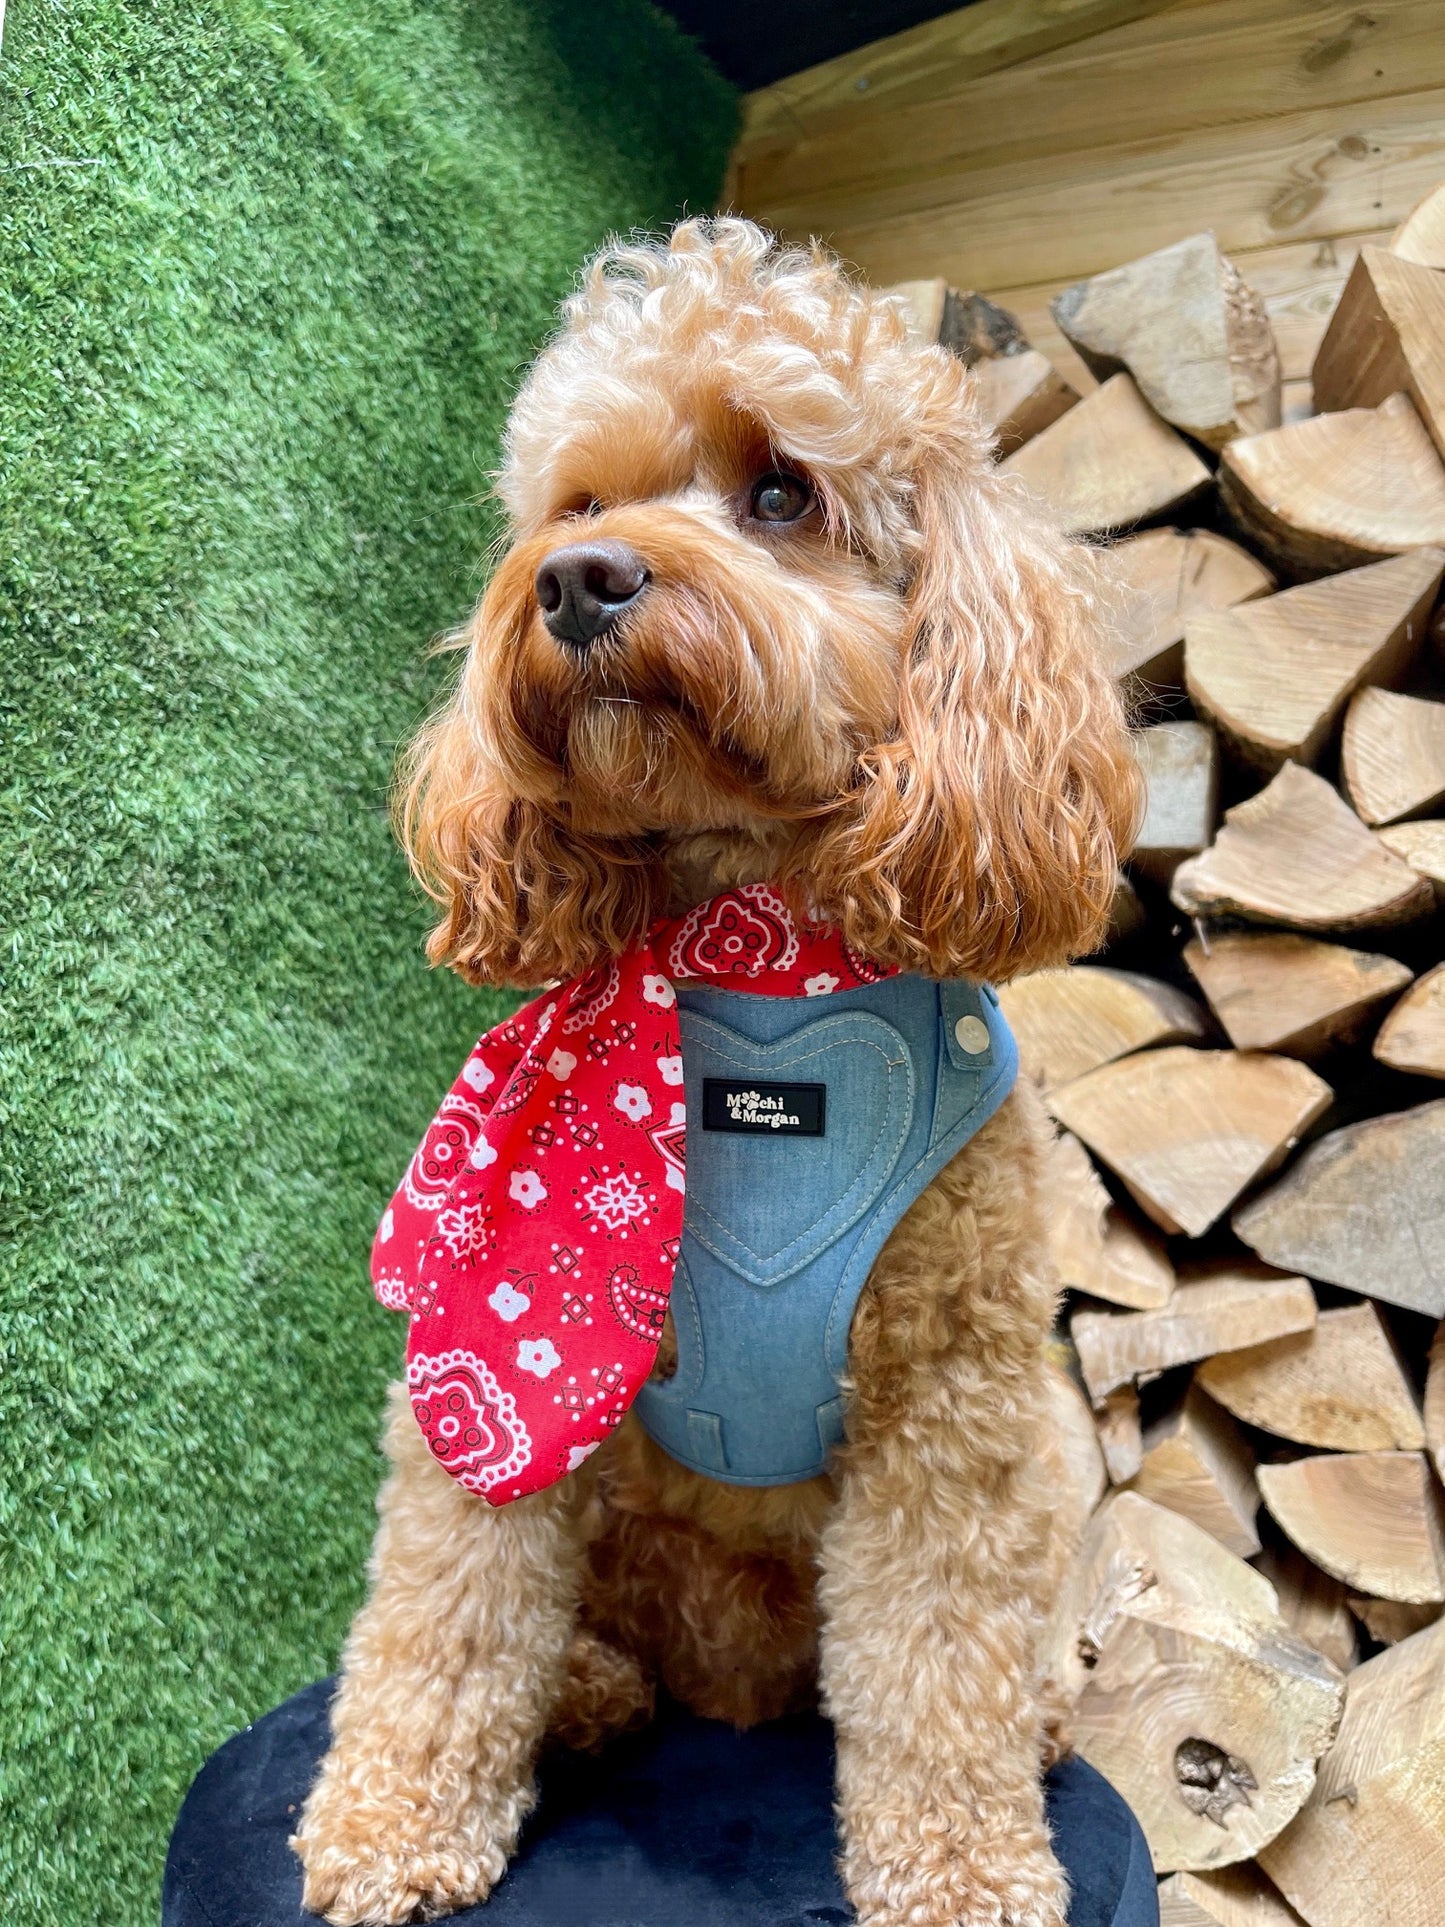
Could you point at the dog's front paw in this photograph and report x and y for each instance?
(377, 1865)
(1014, 1882)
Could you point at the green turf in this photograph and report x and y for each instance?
(255, 348)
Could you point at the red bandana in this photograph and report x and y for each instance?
(534, 1236)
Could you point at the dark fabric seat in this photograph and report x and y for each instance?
(686, 1825)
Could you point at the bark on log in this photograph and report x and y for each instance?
(1291, 994)
(1191, 332)
(1297, 854)
(1188, 1130)
(1363, 1208)
(1275, 674)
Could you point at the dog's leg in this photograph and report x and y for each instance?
(450, 1672)
(936, 1557)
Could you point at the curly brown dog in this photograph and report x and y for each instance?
(845, 657)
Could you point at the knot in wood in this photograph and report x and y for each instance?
(1212, 1781)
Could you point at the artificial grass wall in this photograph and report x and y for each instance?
(269, 271)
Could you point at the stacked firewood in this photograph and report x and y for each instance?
(1249, 1210)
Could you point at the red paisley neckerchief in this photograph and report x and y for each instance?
(534, 1236)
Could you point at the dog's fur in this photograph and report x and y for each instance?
(895, 707)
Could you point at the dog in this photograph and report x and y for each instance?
(768, 611)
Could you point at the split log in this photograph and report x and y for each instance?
(1164, 577)
(1191, 332)
(1073, 1020)
(1369, 1845)
(1196, 1462)
(1188, 1130)
(1072, 1446)
(1386, 337)
(1096, 1247)
(1313, 1603)
(1421, 235)
(1341, 1385)
(1121, 1438)
(1435, 1401)
(1234, 1897)
(1392, 755)
(1194, 1698)
(1020, 395)
(1180, 765)
(1220, 1309)
(1276, 674)
(1422, 846)
(1388, 1622)
(1335, 491)
(1297, 854)
(1290, 994)
(1375, 1520)
(1412, 1037)
(1363, 1208)
(1109, 463)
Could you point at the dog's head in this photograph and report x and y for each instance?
(764, 581)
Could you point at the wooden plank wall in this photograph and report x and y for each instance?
(1295, 129)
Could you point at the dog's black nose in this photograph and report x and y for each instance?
(584, 588)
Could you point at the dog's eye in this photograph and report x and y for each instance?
(779, 497)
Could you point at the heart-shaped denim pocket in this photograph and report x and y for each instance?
(767, 1203)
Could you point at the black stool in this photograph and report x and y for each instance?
(688, 1824)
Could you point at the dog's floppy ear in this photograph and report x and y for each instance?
(525, 900)
(983, 836)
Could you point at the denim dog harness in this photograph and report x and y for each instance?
(808, 1137)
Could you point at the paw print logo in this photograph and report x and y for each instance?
(561, 1064)
(527, 1189)
(509, 1303)
(657, 990)
(633, 1102)
(669, 1069)
(538, 1356)
(476, 1075)
(823, 985)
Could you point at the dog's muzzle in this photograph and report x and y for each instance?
(583, 588)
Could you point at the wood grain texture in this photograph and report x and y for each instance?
(1221, 1309)
(1021, 395)
(1412, 1037)
(1375, 1520)
(1392, 756)
(1188, 1130)
(1194, 1697)
(1435, 1401)
(1070, 1021)
(1180, 764)
(1161, 579)
(1097, 1248)
(1121, 1437)
(1340, 1385)
(1337, 490)
(1421, 235)
(1234, 1897)
(1422, 846)
(1192, 333)
(1109, 463)
(1369, 1845)
(1386, 336)
(1297, 854)
(1275, 674)
(1197, 1462)
(1363, 1208)
(1313, 1603)
(1291, 994)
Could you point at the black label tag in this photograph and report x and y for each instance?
(785, 1110)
